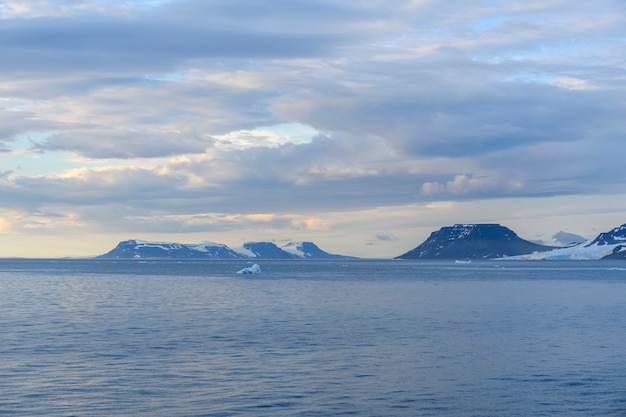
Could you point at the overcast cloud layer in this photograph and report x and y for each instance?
(361, 126)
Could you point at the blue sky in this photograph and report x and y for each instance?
(361, 126)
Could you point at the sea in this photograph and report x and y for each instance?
(85, 337)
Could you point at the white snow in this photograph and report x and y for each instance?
(254, 269)
(162, 245)
(245, 252)
(202, 247)
(150, 243)
(294, 248)
(209, 243)
(579, 252)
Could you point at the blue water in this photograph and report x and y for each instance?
(309, 338)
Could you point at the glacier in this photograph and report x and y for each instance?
(611, 244)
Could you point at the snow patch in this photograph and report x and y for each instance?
(245, 252)
(204, 246)
(294, 248)
(581, 252)
(160, 245)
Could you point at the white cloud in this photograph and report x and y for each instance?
(464, 185)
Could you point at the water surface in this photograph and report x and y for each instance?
(312, 338)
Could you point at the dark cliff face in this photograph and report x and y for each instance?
(617, 236)
(473, 241)
(613, 237)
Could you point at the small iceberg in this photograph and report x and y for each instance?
(254, 269)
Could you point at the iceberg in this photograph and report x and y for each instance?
(254, 269)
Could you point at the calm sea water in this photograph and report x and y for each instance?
(309, 338)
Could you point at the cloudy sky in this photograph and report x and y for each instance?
(361, 126)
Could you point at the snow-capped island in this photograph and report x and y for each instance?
(141, 249)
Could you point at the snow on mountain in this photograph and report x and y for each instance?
(472, 241)
(614, 237)
(294, 248)
(244, 252)
(266, 250)
(608, 245)
(133, 248)
(309, 250)
(577, 252)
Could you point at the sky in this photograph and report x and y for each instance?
(360, 126)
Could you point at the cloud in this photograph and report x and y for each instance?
(385, 237)
(14, 123)
(164, 38)
(463, 185)
(452, 99)
(171, 112)
(440, 111)
(123, 143)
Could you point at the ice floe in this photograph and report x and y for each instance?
(254, 269)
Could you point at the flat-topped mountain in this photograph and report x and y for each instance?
(134, 249)
(473, 241)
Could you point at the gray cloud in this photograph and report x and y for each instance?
(106, 143)
(414, 102)
(165, 39)
(443, 115)
(14, 123)
(385, 237)
(91, 187)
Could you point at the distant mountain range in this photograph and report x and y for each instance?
(459, 242)
(492, 241)
(140, 249)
